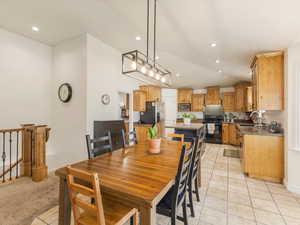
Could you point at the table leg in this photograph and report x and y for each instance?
(148, 215)
(64, 217)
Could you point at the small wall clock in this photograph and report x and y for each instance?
(105, 99)
(65, 92)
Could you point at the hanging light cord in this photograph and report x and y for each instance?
(154, 46)
(148, 8)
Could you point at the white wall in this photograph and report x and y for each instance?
(292, 116)
(25, 78)
(69, 119)
(104, 77)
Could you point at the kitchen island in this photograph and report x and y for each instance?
(189, 131)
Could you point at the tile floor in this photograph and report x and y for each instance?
(229, 198)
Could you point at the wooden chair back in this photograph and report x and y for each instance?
(79, 205)
(129, 137)
(177, 137)
(182, 176)
(99, 145)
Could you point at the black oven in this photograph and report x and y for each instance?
(213, 125)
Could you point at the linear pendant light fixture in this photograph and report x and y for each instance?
(141, 66)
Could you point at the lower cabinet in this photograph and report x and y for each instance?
(229, 134)
(262, 157)
(225, 133)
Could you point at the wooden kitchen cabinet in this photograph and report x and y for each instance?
(153, 93)
(213, 96)
(142, 131)
(233, 134)
(228, 101)
(139, 100)
(249, 99)
(198, 102)
(263, 157)
(268, 81)
(225, 133)
(184, 95)
(241, 96)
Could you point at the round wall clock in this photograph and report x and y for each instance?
(105, 99)
(65, 92)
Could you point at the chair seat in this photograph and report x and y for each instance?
(114, 213)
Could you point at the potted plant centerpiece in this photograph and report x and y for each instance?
(154, 140)
(187, 117)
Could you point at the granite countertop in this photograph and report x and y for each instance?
(193, 121)
(184, 127)
(244, 130)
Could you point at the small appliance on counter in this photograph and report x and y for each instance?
(152, 113)
(275, 127)
(184, 107)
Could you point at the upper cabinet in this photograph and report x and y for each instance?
(241, 96)
(213, 96)
(229, 101)
(153, 93)
(249, 99)
(139, 100)
(268, 81)
(198, 102)
(184, 95)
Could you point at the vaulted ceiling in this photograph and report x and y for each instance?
(185, 31)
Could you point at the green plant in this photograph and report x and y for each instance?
(153, 132)
(188, 115)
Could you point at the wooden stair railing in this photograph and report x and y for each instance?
(23, 152)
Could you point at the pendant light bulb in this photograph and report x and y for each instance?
(151, 73)
(157, 77)
(144, 70)
(163, 79)
(133, 65)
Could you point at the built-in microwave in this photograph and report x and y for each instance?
(184, 107)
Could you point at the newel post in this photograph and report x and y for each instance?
(27, 147)
(39, 167)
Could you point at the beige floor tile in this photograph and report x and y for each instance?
(260, 195)
(268, 218)
(236, 175)
(239, 198)
(213, 217)
(215, 203)
(258, 186)
(280, 190)
(233, 181)
(265, 205)
(241, 211)
(291, 221)
(293, 212)
(283, 200)
(217, 193)
(235, 220)
(50, 216)
(242, 189)
(37, 221)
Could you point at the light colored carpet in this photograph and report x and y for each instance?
(23, 200)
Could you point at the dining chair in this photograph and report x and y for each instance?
(176, 196)
(99, 145)
(177, 137)
(194, 171)
(129, 137)
(104, 211)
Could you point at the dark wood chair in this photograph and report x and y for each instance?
(104, 211)
(195, 171)
(129, 137)
(99, 145)
(176, 196)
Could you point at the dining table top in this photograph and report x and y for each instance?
(135, 173)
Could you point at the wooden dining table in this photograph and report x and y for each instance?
(135, 178)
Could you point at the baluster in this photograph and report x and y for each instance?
(3, 158)
(17, 167)
(10, 169)
(31, 150)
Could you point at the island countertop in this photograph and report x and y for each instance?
(181, 126)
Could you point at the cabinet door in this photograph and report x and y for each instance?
(232, 134)
(254, 87)
(198, 102)
(229, 101)
(225, 133)
(154, 94)
(185, 96)
(139, 101)
(213, 96)
(142, 133)
(249, 99)
(239, 99)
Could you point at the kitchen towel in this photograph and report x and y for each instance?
(211, 128)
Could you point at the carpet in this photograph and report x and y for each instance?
(23, 200)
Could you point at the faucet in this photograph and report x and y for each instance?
(259, 117)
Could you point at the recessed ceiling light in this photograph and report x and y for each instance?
(35, 28)
(213, 44)
(220, 71)
(177, 75)
(218, 61)
(138, 38)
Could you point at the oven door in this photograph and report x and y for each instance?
(214, 135)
